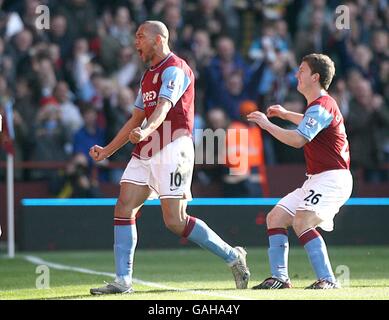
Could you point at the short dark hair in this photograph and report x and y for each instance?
(323, 65)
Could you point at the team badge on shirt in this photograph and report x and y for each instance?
(155, 79)
(310, 123)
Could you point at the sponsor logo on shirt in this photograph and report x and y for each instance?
(149, 96)
(171, 85)
(310, 123)
(152, 104)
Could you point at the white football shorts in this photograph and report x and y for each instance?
(168, 173)
(323, 193)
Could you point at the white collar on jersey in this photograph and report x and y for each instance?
(323, 93)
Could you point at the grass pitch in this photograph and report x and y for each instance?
(192, 274)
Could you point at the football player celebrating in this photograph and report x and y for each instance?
(162, 162)
(329, 182)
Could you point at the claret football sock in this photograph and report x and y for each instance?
(125, 235)
(318, 256)
(278, 253)
(197, 231)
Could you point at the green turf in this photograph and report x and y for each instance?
(198, 275)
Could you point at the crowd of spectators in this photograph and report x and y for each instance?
(73, 85)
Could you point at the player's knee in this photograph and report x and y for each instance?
(270, 220)
(304, 221)
(275, 220)
(123, 209)
(174, 226)
(174, 223)
(299, 224)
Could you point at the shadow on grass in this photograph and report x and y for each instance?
(139, 292)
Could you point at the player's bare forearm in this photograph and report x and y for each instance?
(294, 117)
(158, 116)
(289, 137)
(122, 136)
(279, 111)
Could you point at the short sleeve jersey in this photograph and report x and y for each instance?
(323, 126)
(173, 80)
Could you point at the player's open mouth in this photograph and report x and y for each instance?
(140, 52)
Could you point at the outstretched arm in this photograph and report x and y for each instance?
(99, 153)
(289, 137)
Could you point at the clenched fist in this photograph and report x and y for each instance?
(97, 153)
(137, 135)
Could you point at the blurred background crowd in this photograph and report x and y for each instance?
(73, 85)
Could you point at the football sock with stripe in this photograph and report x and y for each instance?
(125, 237)
(197, 231)
(278, 253)
(317, 252)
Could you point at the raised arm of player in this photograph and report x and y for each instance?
(280, 112)
(289, 137)
(99, 153)
(155, 120)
